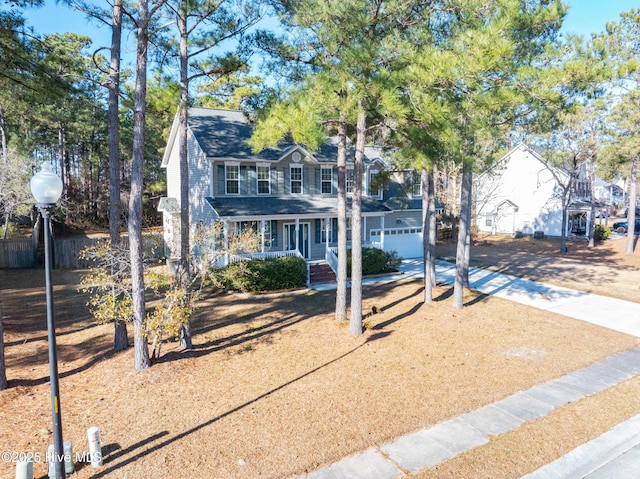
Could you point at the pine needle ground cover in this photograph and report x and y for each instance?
(275, 387)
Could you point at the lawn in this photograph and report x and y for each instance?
(275, 387)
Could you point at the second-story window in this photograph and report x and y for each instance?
(416, 184)
(374, 188)
(349, 180)
(232, 178)
(296, 180)
(263, 175)
(326, 180)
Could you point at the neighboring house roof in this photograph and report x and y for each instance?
(223, 135)
(237, 207)
(584, 205)
(170, 205)
(507, 203)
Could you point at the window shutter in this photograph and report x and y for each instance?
(305, 180)
(287, 182)
(334, 230)
(243, 179)
(334, 181)
(221, 189)
(318, 231)
(253, 180)
(274, 181)
(318, 182)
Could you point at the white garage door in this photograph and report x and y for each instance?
(407, 242)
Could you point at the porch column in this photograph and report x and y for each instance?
(364, 230)
(382, 232)
(327, 233)
(225, 230)
(298, 234)
(262, 235)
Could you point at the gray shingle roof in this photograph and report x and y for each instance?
(273, 206)
(224, 133)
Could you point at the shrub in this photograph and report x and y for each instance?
(601, 232)
(376, 261)
(268, 274)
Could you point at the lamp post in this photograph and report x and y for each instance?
(46, 188)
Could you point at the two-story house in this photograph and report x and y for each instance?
(523, 194)
(287, 194)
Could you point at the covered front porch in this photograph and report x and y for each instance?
(306, 225)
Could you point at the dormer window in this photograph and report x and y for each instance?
(416, 183)
(296, 179)
(374, 189)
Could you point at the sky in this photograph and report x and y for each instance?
(584, 17)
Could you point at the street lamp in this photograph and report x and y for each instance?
(46, 188)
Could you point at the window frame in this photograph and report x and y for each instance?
(416, 182)
(296, 181)
(263, 181)
(326, 181)
(349, 179)
(371, 173)
(227, 178)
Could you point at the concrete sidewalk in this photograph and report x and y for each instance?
(614, 454)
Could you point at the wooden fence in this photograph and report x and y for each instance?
(22, 253)
(17, 253)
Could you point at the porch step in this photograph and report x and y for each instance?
(321, 273)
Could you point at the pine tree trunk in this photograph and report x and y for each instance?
(141, 350)
(433, 227)
(592, 211)
(185, 245)
(3, 369)
(464, 230)
(355, 321)
(341, 290)
(633, 187)
(426, 235)
(120, 335)
(3, 138)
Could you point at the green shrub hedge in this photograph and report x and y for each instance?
(601, 232)
(270, 274)
(375, 261)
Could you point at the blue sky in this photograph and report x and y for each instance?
(584, 17)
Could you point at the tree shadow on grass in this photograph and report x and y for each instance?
(88, 364)
(110, 468)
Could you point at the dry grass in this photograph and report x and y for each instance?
(276, 388)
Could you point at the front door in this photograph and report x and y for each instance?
(303, 238)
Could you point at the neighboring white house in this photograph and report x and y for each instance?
(522, 195)
(287, 194)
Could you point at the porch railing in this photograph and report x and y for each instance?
(331, 257)
(234, 258)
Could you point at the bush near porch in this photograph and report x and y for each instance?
(376, 261)
(268, 274)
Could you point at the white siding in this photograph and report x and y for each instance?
(526, 183)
